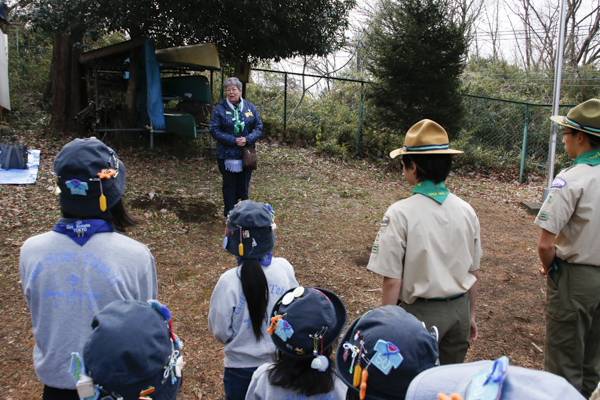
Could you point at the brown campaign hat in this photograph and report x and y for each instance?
(585, 117)
(425, 137)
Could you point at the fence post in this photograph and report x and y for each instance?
(285, 103)
(524, 149)
(362, 97)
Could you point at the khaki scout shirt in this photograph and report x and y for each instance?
(572, 211)
(430, 246)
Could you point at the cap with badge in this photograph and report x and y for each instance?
(382, 351)
(249, 231)
(132, 353)
(90, 178)
(490, 380)
(306, 321)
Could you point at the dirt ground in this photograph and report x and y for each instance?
(327, 212)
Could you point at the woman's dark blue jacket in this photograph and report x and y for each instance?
(221, 128)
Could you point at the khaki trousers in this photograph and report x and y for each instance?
(453, 320)
(573, 324)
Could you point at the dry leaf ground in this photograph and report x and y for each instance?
(327, 213)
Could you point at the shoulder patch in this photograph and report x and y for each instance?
(543, 216)
(558, 182)
(385, 221)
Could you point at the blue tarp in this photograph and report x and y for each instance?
(149, 98)
(154, 101)
(22, 176)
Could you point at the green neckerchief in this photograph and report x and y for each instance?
(437, 192)
(239, 124)
(591, 157)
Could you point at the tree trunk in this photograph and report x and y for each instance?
(68, 93)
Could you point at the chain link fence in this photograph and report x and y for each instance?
(513, 132)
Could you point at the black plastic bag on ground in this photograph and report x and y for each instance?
(13, 156)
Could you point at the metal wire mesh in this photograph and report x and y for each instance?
(500, 126)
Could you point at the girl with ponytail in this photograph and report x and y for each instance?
(243, 297)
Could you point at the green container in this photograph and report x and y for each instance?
(181, 123)
(190, 87)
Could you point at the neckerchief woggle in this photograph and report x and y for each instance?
(264, 261)
(591, 157)
(82, 230)
(435, 191)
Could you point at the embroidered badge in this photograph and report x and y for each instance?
(246, 234)
(558, 182)
(228, 112)
(549, 199)
(284, 330)
(77, 187)
(543, 216)
(387, 356)
(248, 114)
(376, 244)
(385, 221)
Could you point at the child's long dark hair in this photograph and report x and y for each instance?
(297, 374)
(256, 292)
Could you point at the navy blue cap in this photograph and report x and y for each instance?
(315, 310)
(392, 324)
(250, 223)
(77, 167)
(128, 350)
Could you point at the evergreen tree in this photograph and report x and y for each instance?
(416, 55)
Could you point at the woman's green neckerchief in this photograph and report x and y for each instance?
(436, 191)
(238, 126)
(591, 157)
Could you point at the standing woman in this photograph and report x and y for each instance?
(245, 295)
(234, 123)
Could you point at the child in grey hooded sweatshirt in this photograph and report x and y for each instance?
(305, 323)
(244, 295)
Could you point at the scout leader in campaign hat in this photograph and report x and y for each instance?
(585, 117)
(382, 351)
(89, 176)
(425, 137)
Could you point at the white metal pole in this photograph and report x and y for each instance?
(556, 99)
